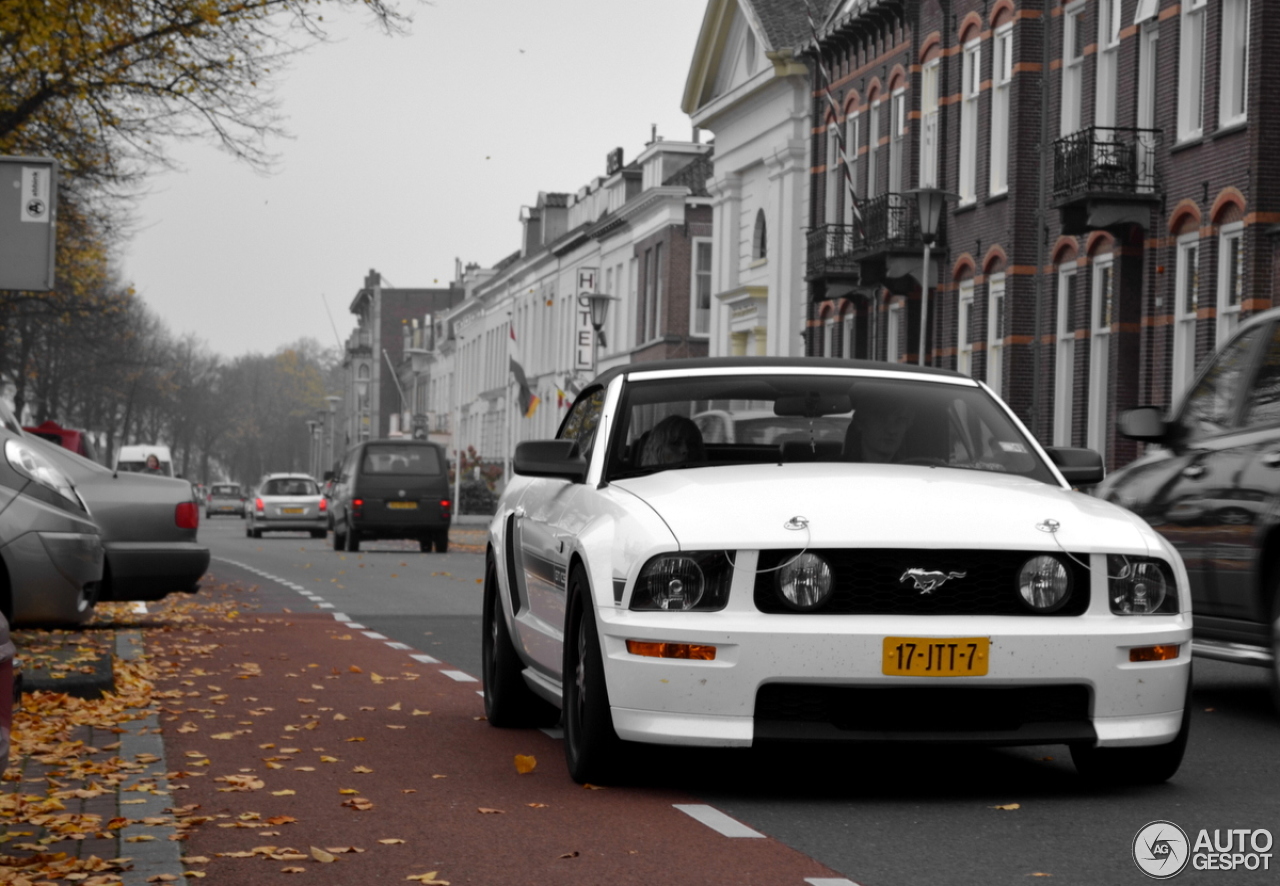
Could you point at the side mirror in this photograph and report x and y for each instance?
(328, 475)
(1144, 423)
(1079, 467)
(550, 458)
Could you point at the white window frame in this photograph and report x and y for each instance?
(1191, 49)
(833, 174)
(851, 126)
(1233, 75)
(873, 147)
(997, 306)
(892, 332)
(1101, 321)
(1002, 81)
(1148, 56)
(930, 122)
(848, 332)
(970, 89)
(1231, 276)
(1064, 365)
(1070, 116)
(694, 273)
(1185, 307)
(828, 336)
(1107, 71)
(964, 332)
(897, 138)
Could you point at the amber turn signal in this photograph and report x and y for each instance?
(1154, 653)
(671, 650)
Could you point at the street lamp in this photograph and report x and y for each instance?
(929, 203)
(311, 447)
(362, 405)
(598, 304)
(334, 400)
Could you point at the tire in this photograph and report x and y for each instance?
(441, 540)
(339, 539)
(257, 533)
(592, 748)
(425, 544)
(318, 533)
(1152, 764)
(509, 703)
(248, 530)
(351, 541)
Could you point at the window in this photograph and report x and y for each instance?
(873, 147)
(964, 337)
(1101, 318)
(995, 334)
(1003, 80)
(1191, 70)
(1210, 408)
(1234, 76)
(1065, 358)
(893, 333)
(930, 122)
(1104, 108)
(829, 337)
(1186, 304)
(848, 334)
(1230, 279)
(832, 215)
(701, 315)
(1149, 42)
(649, 305)
(970, 86)
(1262, 409)
(1073, 42)
(851, 133)
(759, 239)
(897, 139)
(583, 420)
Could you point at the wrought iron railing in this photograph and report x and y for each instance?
(1105, 159)
(888, 221)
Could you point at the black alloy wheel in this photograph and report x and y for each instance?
(509, 703)
(592, 748)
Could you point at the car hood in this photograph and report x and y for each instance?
(881, 506)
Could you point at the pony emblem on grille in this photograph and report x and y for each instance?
(929, 580)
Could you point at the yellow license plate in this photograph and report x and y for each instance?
(403, 505)
(936, 656)
(293, 510)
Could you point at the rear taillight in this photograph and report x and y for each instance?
(356, 507)
(324, 506)
(258, 505)
(187, 515)
(444, 507)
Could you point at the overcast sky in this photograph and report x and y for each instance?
(406, 152)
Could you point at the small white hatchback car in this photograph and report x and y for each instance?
(900, 562)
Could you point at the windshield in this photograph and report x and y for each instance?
(714, 421)
(401, 459)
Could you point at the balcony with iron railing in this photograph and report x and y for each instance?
(1105, 161)
(889, 224)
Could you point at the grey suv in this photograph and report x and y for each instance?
(392, 489)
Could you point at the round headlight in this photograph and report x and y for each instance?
(1142, 591)
(1044, 583)
(805, 582)
(671, 583)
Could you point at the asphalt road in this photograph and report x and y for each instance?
(882, 816)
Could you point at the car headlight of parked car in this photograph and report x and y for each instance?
(1140, 586)
(685, 580)
(26, 461)
(804, 582)
(1044, 583)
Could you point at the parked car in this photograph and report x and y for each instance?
(288, 503)
(68, 438)
(392, 489)
(1211, 486)
(10, 687)
(225, 498)
(133, 459)
(51, 556)
(148, 523)
(930, 576)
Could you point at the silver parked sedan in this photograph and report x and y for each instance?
(51, 556)
(288, 503)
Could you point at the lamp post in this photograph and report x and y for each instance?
(362, 394)
(455, 432)
(334, 400)
(311, 447)
(929, 203)
(598, 304)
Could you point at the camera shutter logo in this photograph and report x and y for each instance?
(1161, 850)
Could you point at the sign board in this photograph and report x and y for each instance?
(613, 161)
(583, 332)
(28, 221)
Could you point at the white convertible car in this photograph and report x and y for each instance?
(926, 574)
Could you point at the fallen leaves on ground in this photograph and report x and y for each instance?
(526, 764)
(428, 878)
(1008, 807)
(322, 856)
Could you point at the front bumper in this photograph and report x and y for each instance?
(50, 572)
(715, 703)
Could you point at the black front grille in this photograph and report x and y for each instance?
(869, 581)
(922, 709)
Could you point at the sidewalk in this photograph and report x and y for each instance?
(300, 748)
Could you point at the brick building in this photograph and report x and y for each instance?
(1113, 215)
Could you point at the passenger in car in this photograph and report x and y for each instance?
(879, 427)
(674, 440)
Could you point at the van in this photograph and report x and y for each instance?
(134, 458)
(392, 489)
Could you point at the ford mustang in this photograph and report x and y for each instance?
(900, 561)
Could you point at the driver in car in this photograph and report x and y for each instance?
(879, 427)
(674, 440)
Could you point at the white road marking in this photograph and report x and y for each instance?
(425, 659)
(355, 626)
(552, 731)
(480, 692)
(138, 608)
(341, 616)
(460, 676)
(717, 820)
(829, 881)
(326, 605)
(394, 645)
(374, 635)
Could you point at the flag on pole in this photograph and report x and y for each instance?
(528, 400)
(842, 148)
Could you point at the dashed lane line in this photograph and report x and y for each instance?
(374, 635)
(717, 820)
(424, 658)
(460, 676)
(829, 881)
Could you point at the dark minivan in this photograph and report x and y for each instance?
(392, 489)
